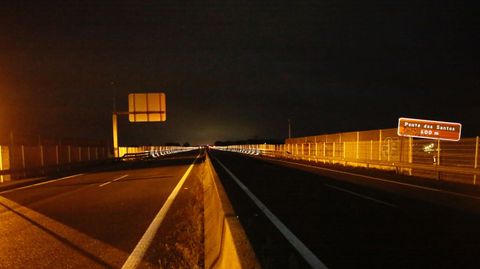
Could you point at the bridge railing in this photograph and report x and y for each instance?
(456, 161)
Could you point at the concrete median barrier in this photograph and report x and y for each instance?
(226, 244)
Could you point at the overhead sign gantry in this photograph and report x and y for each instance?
(142, 107)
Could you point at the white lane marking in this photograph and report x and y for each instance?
(41, 183)
(385, 180)
(361, 196)
(137, 254)
(113, 180)
(306, 253)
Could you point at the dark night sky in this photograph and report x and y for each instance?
(237, 69)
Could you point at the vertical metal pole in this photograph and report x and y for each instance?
(316, 150)
(333, 151)
(380, 145)
(324, 150)
(303, 152)
(69, 153)
(388, 152)
(371, 149)
(475, 164)
(438, 158)
(115, 135)
(88, 153)
(344, 151)
(309, 151)
(438, 152)
(79, 153)
(23, 160)
(358, 141)
(410, 153)
(57, 155)
(11, 157)
(42, 160)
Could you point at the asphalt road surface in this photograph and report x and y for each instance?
(346, 224)
(90, 220)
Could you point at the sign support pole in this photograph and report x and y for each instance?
(115, 135)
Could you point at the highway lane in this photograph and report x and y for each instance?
(345, 225)
(90, 220)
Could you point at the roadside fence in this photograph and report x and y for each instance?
(26, 155)
(455, 161)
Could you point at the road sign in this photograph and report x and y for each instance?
(145, 107)
(438, 130)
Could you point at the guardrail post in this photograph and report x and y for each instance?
(475, 164)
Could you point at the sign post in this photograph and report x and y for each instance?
(142, 107)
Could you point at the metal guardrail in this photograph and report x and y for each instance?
(152, 154)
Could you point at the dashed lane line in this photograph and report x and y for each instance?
(113, 180)
(361, 196)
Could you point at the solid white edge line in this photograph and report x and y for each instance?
(113, 180)
(361, 195)
(304, 251)
(41, 183)
(142, 246)
(383, 180)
